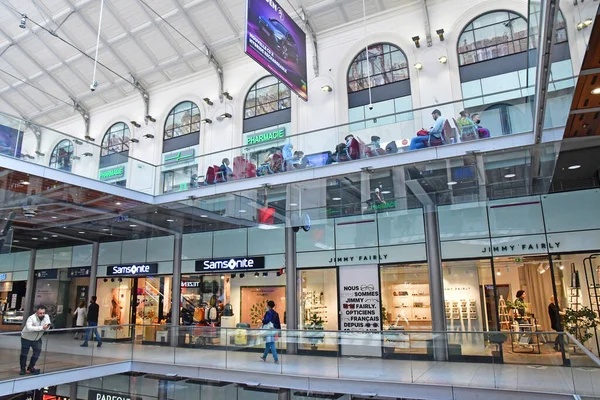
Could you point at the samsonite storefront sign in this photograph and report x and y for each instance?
(132, 270)
(102, 395)
(230, 264)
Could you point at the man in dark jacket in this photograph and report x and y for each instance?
(92, 317)
(271, 322)
(554, 313)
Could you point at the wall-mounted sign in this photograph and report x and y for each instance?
(190, 284)
(7, 276)
(102, 395)
(133, 269)
(179, 156)
(112, 173)
(383, 206)
(516, 248)
(230, 264)
(364, 256)
(46, 274)
(79, 272)
(265, 137)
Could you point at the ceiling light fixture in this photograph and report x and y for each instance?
(81, 232)
(54, 235)
(596, 90)
(133, 225)
(440, 33)
(77, 141)
(222, 277)
(136, 124)
(227, 96)
(204, 216)
(293, 204)
(452, 183)
(87, 154)
(23, 22)
(15, 241)
(89, 138)
(207, 101)
(416, 40)
(498, 273)
(207, 121)
(39, 153)
(576, 166)
(170, 220)
(510, 176)
(105, 230)
(25, 183)
(418, 66)
(584, 24)
(561, 267)
(336, 198)
(326, 88)
(386, 192)
(223, 116)
(54, 217)
(443, 60)
(118, 203)
(134, 140)
(242, 211)
(150, 118)
(34, 238)
(256, 275)
(149, 136)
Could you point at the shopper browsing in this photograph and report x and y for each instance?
(92, 316)
(31, 337)
(271, 322)
(80, 314)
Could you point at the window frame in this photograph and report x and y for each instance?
(171, 116)
(107, 149)
(54, 156)
(281, 103)
(357, 60)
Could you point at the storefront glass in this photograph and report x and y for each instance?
(318, 307)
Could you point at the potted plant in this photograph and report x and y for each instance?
(316, 324)
(579, 322)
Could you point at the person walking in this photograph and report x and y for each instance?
(554, 312)
(80, 314)
(272, 323)
(92, 317)
(31, 337)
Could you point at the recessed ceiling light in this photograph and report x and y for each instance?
(34, 238)
(336, 198)
(45, 237)
(242, 211)
(170, 220)
(24, 183)
(561, 267)
(81, 232)
(106, 229)
(596, 90)
(510, 175)
(576, 166)
(54, 217)
(118, 203)
(293, 204)
(15, 241)
(498, 273)
(452, 183)
(386, 192)
(133, 225)
(54, 235)
(204, 216)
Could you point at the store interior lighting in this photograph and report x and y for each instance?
(256, 274)
(596, 90)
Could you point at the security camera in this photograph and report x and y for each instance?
(370, 106)
(93, 86)
(29, 211)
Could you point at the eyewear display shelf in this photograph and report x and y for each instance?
(411, 304)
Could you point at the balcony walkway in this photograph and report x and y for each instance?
(66, 362)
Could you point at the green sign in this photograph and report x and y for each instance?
(266, 137)
(383, 206)
(112, 173)
(179, 156)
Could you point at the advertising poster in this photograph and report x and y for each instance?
(277, 43)
(11, 141)
(361, 311)
(254, 303)
(46, 293)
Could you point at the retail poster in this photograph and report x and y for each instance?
(254, 303)
(278, 44)
(46, 293)
(11, 141)
(360, 308)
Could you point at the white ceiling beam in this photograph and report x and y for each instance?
(227, 15)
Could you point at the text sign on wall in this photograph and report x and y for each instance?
(79, 272)
(112, 173)
(47, 274)
(266, 137)
(102, 395)
(133, 269)
(230, 264)
(179, 156)
(359, 298)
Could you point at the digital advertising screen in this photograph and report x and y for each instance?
(277, 43)
(11, 141)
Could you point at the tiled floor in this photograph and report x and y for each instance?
(62, 352)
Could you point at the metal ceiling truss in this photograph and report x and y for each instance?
(313, 37)
(145, 96)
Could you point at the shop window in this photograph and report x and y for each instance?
(116, 139)
(266, 96)
(183, 119)
(61, 157)
(318, 308)
(387, 64)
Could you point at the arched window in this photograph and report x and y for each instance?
(387, 65)
(390, 88)
(116, 139)
(268, 95)
(183, 119)
(62, 154)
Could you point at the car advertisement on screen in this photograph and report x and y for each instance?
(277, 43)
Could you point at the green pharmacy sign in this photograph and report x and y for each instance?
(266, 137)
(384, 206)
(112, 173)
(179, 156)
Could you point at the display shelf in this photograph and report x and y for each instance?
(410, 302)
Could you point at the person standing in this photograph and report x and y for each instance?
(31, 337)
(80, 314)
(92, 316)
(271, 322)
(554, 313)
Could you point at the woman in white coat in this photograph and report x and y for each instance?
(80, 314)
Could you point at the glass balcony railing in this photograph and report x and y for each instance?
(487, 116)
(507, 360)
